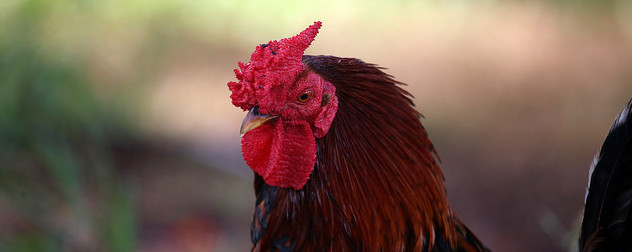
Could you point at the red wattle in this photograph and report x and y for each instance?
(283, 153)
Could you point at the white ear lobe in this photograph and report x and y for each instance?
(326, 117)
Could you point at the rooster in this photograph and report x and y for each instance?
(341, 159)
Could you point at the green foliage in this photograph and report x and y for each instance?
(58, 186)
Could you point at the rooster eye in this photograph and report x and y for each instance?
(305, 96)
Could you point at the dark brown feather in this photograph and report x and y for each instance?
(377, 185)
(607, 222)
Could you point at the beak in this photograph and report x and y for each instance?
(253, 120)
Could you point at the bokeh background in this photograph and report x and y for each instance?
(117, 132)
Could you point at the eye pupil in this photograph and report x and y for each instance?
(305, 96)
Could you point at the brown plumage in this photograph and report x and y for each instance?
(342, 161)
(376, 185)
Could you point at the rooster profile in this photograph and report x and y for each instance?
(341, 159)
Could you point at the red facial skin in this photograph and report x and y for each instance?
(283, 151)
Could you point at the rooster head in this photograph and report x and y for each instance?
(289, 107)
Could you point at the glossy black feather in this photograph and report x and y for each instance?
(607, 224)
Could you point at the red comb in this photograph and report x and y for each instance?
(271, 65)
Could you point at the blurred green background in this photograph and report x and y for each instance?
(117, 132)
